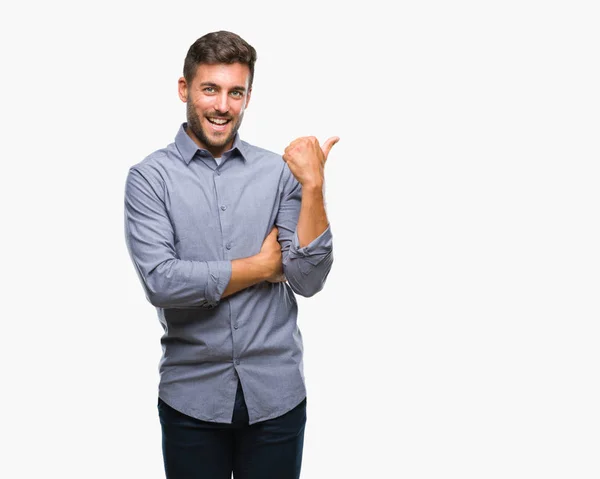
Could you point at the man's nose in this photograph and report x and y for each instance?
(222, 103)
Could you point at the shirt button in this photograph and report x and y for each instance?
(228, 246)
(223, 207)
(237, 361)
(218, 173)
(235, 326)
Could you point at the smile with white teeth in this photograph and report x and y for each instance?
(218, 121)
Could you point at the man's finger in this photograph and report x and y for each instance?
(326, 147)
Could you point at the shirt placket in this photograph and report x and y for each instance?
(224, 204)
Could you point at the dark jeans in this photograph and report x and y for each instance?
(194, 449)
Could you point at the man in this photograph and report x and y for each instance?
(223, 234)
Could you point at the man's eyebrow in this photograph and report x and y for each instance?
(214, 85)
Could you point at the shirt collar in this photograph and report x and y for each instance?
(187, 148)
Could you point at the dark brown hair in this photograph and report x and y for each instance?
(219, 47)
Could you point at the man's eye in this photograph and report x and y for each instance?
(237, 94)
(209, 89)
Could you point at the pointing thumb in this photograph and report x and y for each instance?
(326, 147)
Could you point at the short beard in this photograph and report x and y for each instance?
(195, 125)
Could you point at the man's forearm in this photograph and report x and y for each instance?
(313, 217)
(245, 272)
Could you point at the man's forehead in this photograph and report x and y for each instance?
(223, 73)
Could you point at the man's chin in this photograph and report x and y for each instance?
(220, 140)
(218, 143)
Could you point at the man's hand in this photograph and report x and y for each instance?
(270, 253)
(306, 159)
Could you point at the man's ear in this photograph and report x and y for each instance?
(182, 89)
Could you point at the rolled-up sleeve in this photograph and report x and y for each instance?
(306, 268)
(168, 281)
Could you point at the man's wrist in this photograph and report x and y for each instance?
(314, 189)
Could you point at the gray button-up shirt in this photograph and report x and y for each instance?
(186, 219)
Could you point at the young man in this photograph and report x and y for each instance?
(223, 234)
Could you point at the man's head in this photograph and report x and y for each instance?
(216, 85)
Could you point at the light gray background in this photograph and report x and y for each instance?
(458, 333)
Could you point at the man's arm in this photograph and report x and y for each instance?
(170, 282)
(264, 266)
(306, 160)
(302, 219)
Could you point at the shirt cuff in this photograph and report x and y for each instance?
(219, 274)
(315, 250)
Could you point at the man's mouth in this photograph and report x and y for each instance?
(218, 121)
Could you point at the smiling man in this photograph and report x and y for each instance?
(223, 235)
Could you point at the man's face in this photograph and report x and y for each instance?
(216, 99)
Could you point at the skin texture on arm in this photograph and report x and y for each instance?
(313, 218)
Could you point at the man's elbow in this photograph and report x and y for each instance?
(159, 290)
(308, 281)
(307, 292)
(307, 286)
(158, 297)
